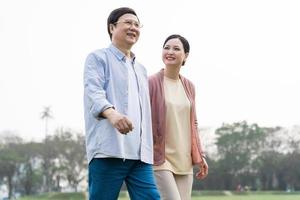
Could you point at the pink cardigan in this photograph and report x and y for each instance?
(158, 109)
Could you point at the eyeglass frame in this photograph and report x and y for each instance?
(130, 23)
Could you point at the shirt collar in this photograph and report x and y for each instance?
(119, 54)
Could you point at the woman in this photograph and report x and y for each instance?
(177, 144)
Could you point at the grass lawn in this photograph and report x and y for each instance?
(250, 197)
(56, 196)
(206, 196)
(222, 195)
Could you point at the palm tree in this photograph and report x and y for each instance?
(46, 115)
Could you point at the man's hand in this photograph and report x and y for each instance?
(203, 171)
(119, 121)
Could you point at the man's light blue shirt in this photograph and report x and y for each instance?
(106, 85)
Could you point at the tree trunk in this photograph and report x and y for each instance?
(10, 186)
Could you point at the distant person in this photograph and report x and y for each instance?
(239, 188)
(177, 145)
(117, 112)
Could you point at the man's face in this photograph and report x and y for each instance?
(126, 30)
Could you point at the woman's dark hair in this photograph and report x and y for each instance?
(116, 14)
(185, 43)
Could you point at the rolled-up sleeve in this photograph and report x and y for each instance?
(94, 83)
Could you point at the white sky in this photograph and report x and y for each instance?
(244, 57)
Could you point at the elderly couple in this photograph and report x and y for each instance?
(140, 130)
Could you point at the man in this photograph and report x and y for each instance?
(117, 115)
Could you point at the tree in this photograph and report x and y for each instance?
(30, 177)
(72, 160)
(10, 160)
(290, 171)
(238, 145)
(277, 165)
(48, 154)
(268, 166)
(46, 115)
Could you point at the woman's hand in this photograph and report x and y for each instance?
(203, 169)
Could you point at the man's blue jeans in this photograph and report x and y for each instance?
(106, 176)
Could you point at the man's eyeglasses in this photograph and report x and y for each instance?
(131, 23)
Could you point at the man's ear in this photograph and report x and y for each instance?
(111, 28)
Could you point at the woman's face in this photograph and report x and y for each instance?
(173, 53)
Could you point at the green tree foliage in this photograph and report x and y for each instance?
(30, 175)
(247, 154)
(238, 145)
(35, 167)
(71, 157)
(10, 159)
(265, 158)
